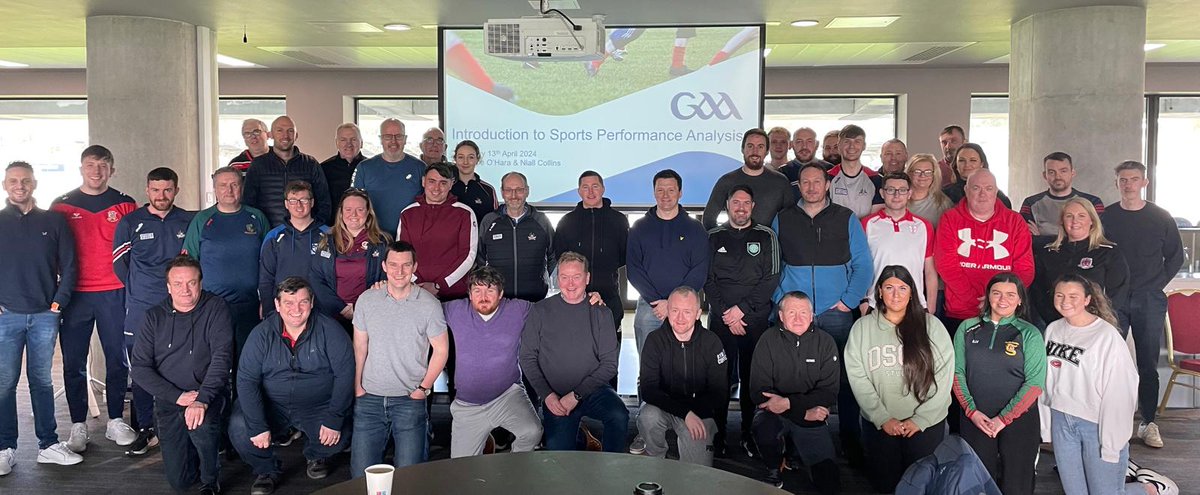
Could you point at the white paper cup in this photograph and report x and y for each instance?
(379, 479)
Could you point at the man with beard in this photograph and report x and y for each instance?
(255, 135)
(433, 146)
(778, 143)
(950, 139)
(804, 146)
(269, 174)
(851, 184)
(339, 169)
(829, 147)
(392, 179)
(773, 192)
(1043, 210)
(894, 156)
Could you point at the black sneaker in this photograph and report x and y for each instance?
(210, 490)
(773, 478)
(145, 441)
(719, 450)
(291, 436)
(750, 448)
(263, 485)
(318, 468)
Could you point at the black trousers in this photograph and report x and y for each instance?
(888, 457)
(190, 455)
(738, 349)
(1010, 456)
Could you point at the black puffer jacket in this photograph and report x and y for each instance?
(522, 250)
(268, 177)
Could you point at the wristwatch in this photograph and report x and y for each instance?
(426, 391)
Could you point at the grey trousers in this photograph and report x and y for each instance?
(653, 424)
(472, 423)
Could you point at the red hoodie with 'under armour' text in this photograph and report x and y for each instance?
(969, 252)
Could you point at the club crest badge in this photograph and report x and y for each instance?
(753, 248)
(112, 217)
(532, 236)
(250, 230)
(1086, 264)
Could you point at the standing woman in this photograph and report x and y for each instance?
(967, 160)
(999, 372)
(469, 188)
(927, 200)
(900, 364)
(349, 258)
(1080, 248)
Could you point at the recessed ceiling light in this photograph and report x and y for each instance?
(772, 23)
(1154, 46)
(12, 65)
(862, 22)
(429, 26)
(803, 23)
(228, 61)
(397, 27)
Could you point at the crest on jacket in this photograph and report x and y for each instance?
(753, 248)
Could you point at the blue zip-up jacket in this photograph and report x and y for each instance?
(37, 260)
(286, 252)
(314, 378)
(665, 254)
(826, 257)
(324, 273)
(143, 245)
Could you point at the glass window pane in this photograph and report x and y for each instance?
(230, 114)
(49, 134)
(877, 116)
(1176, 173)
(989, 129)
(418, 116)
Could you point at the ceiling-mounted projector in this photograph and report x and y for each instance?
(545, 38)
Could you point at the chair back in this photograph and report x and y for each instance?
(1183, 322)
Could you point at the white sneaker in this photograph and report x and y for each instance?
(1131, 469)
(120, 432)
(1156, 479)
(1149, 435)
(60, 454)
(8, 458)
(78, 440)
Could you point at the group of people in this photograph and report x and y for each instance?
(906, 302)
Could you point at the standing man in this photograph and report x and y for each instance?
(487, 338)
(339, 169)
(146, 241)
(92, 212)
(394, 328)
(743, 272)
(297, 371)
(804, 146)
(599, 232)
(268, 176)
(774, 190)
(433, 146)
(897, 237)
(445, 230)
(825, 255)
(852, 185)
(392, 179)
(950, 139)
(226, 238)
(683, 382)
(778, 142)
(182, 357)
(829, 147)
(290, 249)
(572, 379)
(794, 382)
(37, 262)
(894, 156)
(1043, 211)
(517, 240)
(1150, 240)
(255, 135)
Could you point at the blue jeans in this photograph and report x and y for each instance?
(837, 324)
(604, 405)
(37, 332)
(263, 461)
(190, 455)
(1077, 453)
(644, 322)
(104, 311)
(375, 416)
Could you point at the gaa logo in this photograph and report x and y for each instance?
(688, 105)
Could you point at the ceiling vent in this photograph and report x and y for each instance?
(931, 53)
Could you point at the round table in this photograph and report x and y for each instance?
(575, 473)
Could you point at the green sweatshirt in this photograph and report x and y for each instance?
(875, 369)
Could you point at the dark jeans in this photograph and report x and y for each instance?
(142, 406)
(739, 349)
(604, 405)
(1009, 457)
(264, 461)
(813, 445)
(35, 332)
(104, 311)
(612, 300)
(190, 455)
(1145, 314)
(888, 457)
(376, 419)
(837, 324)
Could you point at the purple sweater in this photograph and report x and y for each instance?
(486, 351)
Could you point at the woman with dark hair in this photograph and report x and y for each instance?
(1091, 394)
(900, 364)
(969, 158)
(349, 258)
(999, 372)
(469, 188)
(1079, 248)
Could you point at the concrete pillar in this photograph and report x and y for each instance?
(152, 100)
(1076, 84)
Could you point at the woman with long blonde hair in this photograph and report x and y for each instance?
(927, 200)
(1082, 249)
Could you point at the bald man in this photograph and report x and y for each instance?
(269, 174)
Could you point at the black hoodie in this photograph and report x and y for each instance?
(179, 352)
(682, 377)
(600, 234)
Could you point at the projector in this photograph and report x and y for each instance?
(545, 38)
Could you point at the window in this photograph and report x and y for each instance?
(876, 115)
(989, 129)
(1174, 171)
(49, 134)
(230, 114)
(417, 114)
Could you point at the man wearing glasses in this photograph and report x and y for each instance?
(393, 178)
(433, 146)
(516, 240)
(339, 168)
(898, 237)
(289, 249)
(254, 133)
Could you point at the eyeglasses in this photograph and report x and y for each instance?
(513, 191)
(391, 137)
(294, 202)
(438, 141)
(254, 133)
(921, 173)
(894, 191)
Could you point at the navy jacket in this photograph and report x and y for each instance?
(267, 179)
(315, 378)
(286, 252)
(665, 254)
(179, 352)
(143, 245)
(36, 249)
(324, 274)
(952, 469)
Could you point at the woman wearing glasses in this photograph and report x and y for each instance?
(927, 200)
(349, 258)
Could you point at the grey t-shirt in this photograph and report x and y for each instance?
(399, 333)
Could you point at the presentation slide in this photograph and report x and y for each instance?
(660, 98)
